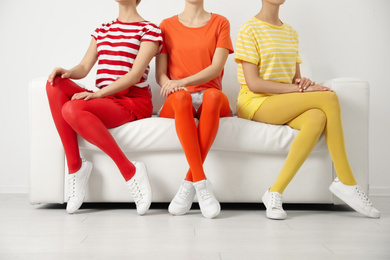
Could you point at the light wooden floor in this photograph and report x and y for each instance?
(102, 231)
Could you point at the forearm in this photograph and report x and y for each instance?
(84, 67)
(201, 77)
(271, 87)
(259, 85)
(145, 54)
(204, 76)
(211, 72)
(128, 80)
(162, 78)
(78, 72)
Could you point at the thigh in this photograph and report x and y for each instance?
(280, 109)
(107, 110)
(66, 86)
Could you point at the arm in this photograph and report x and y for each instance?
(211, 72)
(259, 85)
(146, 52)
(82, 69)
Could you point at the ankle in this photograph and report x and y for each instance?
(129, 173)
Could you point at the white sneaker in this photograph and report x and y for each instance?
(355, 198)
(209, 205)
(77, 184)
(140, 189)
(182, 201)
(273, 203)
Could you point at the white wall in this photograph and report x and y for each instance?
(338, 38)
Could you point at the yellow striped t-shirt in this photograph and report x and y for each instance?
(274, 49)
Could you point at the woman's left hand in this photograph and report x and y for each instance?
(85, 95)
(303, 83)
(172, 86)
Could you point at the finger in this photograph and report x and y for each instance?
(307, 84)
(301, 82)
(163, 89)
(165, 92)
(50, 78)
(78, 96)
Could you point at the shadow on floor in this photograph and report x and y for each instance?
(195, 206)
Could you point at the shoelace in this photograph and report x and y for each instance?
(72, 185)
(363, 196)
(135, 192)
(204, 194)
(276, 201)
(183, 192)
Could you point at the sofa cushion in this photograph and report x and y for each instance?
(235, 134)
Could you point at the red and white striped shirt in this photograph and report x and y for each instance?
(118, 45)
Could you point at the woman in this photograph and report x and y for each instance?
(189, 71)
(123, 49)
(273, 92)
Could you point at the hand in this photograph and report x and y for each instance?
(303, 83)
(85, 95)
(58, 71)
(172, 86)
(317, 87)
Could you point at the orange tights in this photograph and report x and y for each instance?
(196, 142)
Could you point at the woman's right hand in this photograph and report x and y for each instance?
(58, 71)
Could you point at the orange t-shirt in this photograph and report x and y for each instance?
(191, 50)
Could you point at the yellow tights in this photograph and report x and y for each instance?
(312, 113)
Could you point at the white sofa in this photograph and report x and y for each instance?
(243, 161)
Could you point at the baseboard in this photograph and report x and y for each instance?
(14, 189)
(374, 190)
(379, 191)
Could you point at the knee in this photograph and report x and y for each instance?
(182, 99)
(316, 119)
(58, 80)
(213, 95)
(331, 100)
(52, 89)
(71, 110)
(212, 99)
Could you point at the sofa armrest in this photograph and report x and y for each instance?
(46, 155)
(354, 97)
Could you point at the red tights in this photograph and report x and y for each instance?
(91, 120)
(196, 142)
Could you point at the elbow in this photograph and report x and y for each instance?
(158, 78)
(251, 86)
(219, 73)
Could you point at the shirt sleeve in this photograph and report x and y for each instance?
(224, 40)
(95, 33)
(246, 47)
(152, 33)
(296, 40)
(163, 30)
